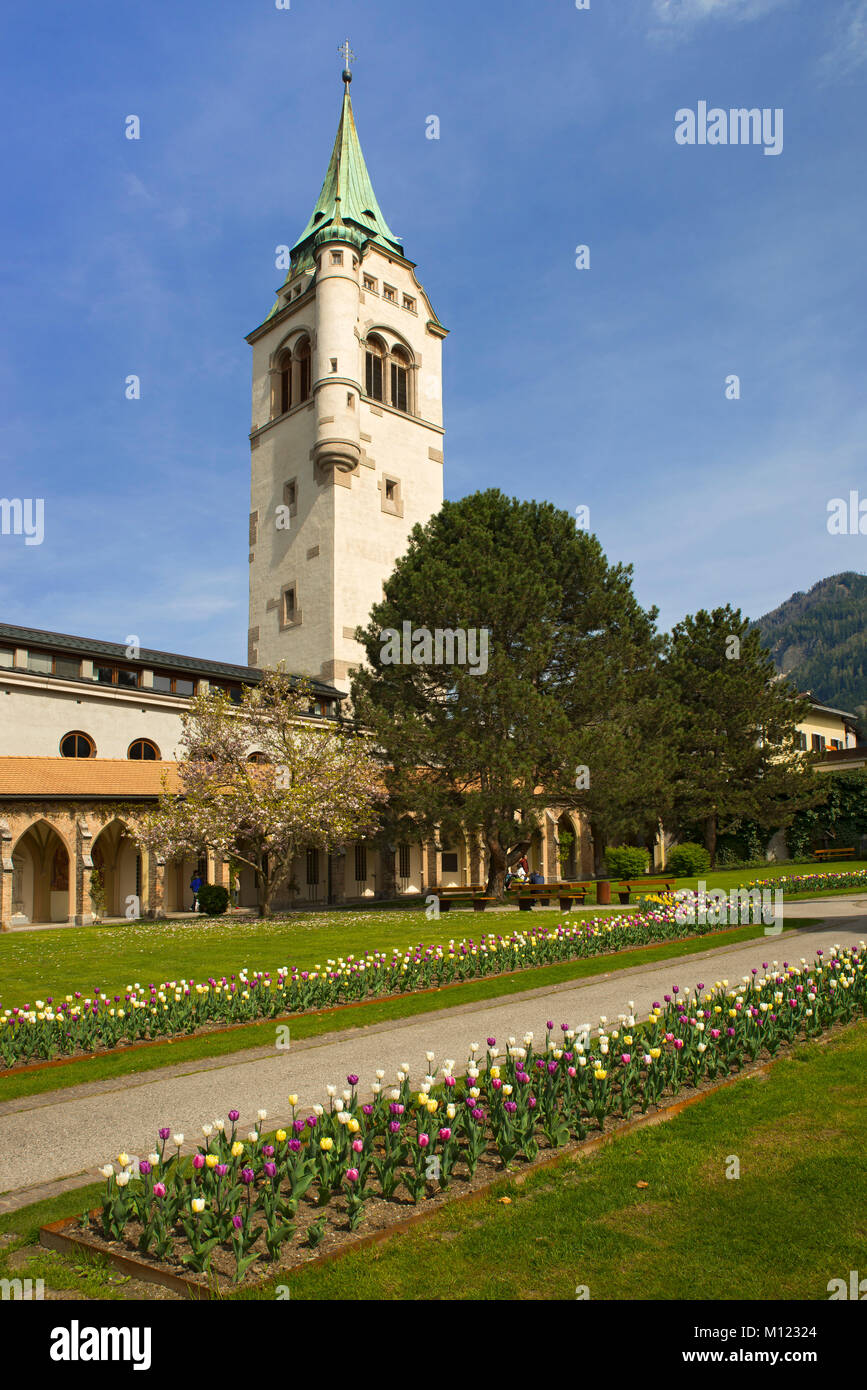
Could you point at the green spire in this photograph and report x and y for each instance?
(347, 199)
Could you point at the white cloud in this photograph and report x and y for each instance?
(686, 13)
(849, 48)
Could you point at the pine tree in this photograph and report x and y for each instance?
(734, 753)
(568, 673)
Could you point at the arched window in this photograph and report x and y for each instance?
(400, 379)
(375, 369)
(77, 745)
(302, 355)
(143, 750)
(258, 757)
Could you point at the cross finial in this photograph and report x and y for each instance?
(348, 56)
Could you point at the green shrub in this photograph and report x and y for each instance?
(687, 861)
(625, 861)
(213, 899)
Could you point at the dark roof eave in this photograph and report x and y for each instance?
(94, 647)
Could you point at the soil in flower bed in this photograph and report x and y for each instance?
(382, 1216)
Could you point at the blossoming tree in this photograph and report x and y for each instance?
(308, 785)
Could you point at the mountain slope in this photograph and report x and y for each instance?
(819, 638)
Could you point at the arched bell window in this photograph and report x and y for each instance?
(284, 383)
(303, 356)
(375, 369)
(400, 379)
(388, 374)
(291, 377)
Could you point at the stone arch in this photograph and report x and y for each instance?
(118, 860)
(568, 847)
(42, 875)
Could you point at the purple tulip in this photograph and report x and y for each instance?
(221, 1169)
(144, 1167)
(271, 1169)
(164, 1134)
(352, 1079)
(247, 1175)
(492, 1042)
(295, 1145)
(237, 1222)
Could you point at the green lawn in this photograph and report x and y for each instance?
(108, 958)
(790, 1222)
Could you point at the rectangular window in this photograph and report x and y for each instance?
(39, 662)
(337, 258)
(104, 674)
(800, 740)
(289, 608)
(184, 686)
(450, 862)
(374, 376)
(390, 293)
(818, 743)
(128, 679)
(404, 861)
(313, 866)
(66, 666)
(162, 683)
(370, 284)
(361, 863)
(409, 303)
(290, 495)
(7, 656)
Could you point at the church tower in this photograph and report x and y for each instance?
(347, 437)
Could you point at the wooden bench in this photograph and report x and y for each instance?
(834, 853)
(473, 894)
(542, 893)
(626, 886)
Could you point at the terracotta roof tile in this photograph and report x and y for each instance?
(91, 777)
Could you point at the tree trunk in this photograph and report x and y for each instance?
(710, 838)
(496, 868)
(598, 836)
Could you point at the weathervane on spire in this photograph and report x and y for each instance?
(348, 59)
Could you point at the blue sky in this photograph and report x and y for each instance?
(602, 387)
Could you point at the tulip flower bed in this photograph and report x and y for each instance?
(80, 1023)
(259, 1200)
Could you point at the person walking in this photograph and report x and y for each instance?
(196, 888)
